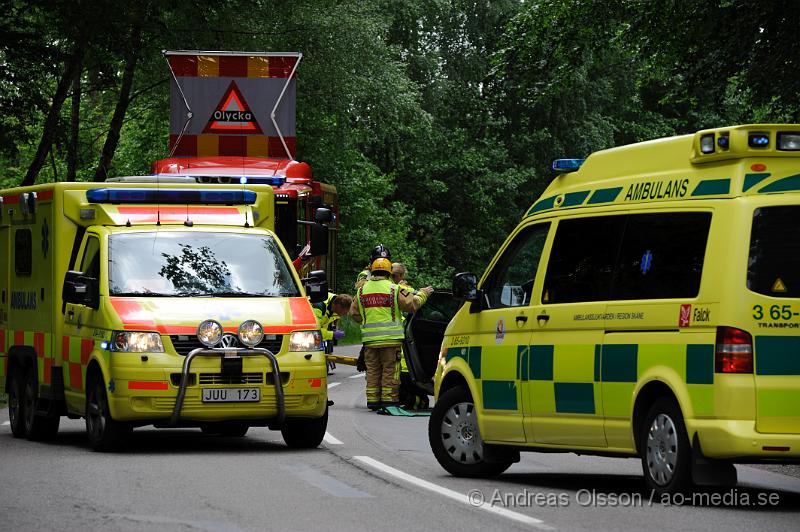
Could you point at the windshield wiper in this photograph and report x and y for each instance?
(221, 294)
(142, 294)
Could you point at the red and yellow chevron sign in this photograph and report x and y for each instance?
(222, 104)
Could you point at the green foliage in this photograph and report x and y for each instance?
(436, 119)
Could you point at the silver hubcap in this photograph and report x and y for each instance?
(460, 434)
(662, 449)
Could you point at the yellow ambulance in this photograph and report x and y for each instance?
(648, 304)
(170, 304)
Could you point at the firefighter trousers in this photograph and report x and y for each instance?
(383, 374)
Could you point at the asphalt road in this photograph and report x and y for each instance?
(372, 473)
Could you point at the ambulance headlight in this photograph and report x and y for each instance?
(251, 333)
(789, 141)
(209, 333)
(305, 341)
(136, 342)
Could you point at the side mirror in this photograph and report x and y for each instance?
(465, 286)
(316, 286)
(319, 275)
(81, 290)
(319, 239)
(323, 215)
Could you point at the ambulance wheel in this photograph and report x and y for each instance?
(16, 404)
(37, 427)
(455, 439)
(104, 432)
(664, 449)
(305, 433)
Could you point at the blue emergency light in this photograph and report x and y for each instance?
(275, 181)
(567, 165)
(758, 140)
(171, 196)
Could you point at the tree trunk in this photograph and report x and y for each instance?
(51, 122)
(112, 140)
(72, 149)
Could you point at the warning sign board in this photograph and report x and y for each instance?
(233, 115)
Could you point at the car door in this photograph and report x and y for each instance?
(503, 322)
(424, 334)
(564, 390)
(80, 330)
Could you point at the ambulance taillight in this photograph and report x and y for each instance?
(734, 351)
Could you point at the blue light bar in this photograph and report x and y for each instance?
(758, 140)
(275, 181)
(171, 196)
(567, 165)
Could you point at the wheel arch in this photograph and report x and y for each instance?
(21, 356)
(645, 398)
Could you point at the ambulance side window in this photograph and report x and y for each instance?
(511, 281)
(23, 252)
(90, 265)
(582, 259)
(661, 256)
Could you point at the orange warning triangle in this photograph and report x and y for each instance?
(779, 286)
(232, 115)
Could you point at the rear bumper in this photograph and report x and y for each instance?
(738, 440)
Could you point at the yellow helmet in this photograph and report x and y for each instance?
(381, 265)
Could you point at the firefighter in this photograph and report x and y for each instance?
(327, 313)
(378, 252)
(410, 396)
(377, 307)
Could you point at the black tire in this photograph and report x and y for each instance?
(455, 439)
(37, 427)
(305, 433)
(664, 449)
(230, 429)
(103, 431)
(16, 403)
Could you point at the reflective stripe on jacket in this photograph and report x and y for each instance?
(381, 320)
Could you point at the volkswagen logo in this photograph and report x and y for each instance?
(229, 340)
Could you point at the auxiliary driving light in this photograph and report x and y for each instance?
(251, 333)
(209, 333)
(789, 141)
(707, 143)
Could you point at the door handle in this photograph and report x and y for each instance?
(523, 318)
(542, 317)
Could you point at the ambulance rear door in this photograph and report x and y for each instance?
(773, 282)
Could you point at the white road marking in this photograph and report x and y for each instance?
(6, 423)
(331, 385)
(331, 440)
(456, 496)
(357, 375)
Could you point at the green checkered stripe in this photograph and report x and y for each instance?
(567, 378)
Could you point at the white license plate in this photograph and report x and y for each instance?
(231, 395)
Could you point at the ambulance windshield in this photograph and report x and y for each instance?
(181, 264)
